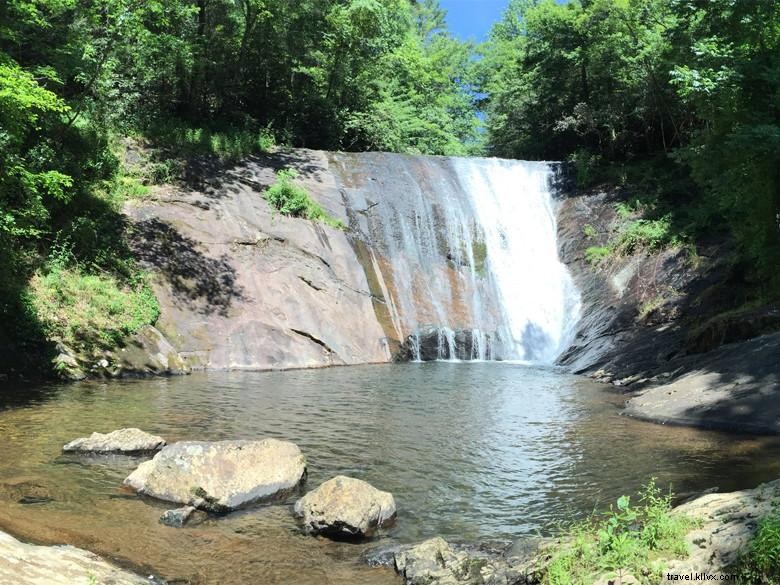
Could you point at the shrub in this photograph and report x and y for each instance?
(177, 139)
(761, 562)
(289, 198)
(88, 311)
(649, 234)
(595, 254)
(627, 538)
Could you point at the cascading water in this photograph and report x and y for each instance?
(463, 255)
(514, 207)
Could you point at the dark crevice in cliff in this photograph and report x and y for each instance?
(316, 340)
(311, 284)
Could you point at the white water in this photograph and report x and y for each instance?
(465, 254)
(514, 208)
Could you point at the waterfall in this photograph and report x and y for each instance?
(463, 254)
(513, 204)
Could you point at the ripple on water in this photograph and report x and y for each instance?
(471, 451)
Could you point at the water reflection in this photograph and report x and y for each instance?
(471, 451)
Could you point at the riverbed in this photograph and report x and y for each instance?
(471, 451)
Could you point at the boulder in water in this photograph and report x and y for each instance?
(122, 441)
(347, 508)
(220, 476)
(178, 517)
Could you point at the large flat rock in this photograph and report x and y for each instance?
(129, 440)
(29, 564)
(241, 286)
(220, 476)
(736, 388)
(726, 523)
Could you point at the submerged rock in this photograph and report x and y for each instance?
(58, 565)
(344, 507)
(178, 517)
(220, 476)
(130, 440)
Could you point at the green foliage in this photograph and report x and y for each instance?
(289, 198)
(180, 140)
(89, 311)
(589, 231)
(684, 93)
(761, 562)
(595, 254)
(627, 539)
(648, 234)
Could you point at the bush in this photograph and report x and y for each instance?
(289, 198)
(595, 254)
(627, 538)
(761, 562)
(648, 234)
(177, 139)
(90, 311)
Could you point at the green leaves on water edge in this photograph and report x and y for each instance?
(628, 538)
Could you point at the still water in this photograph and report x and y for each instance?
(471, 451)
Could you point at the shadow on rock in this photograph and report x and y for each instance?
(192, 276)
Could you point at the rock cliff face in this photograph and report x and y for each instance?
(666, 326)
(424, 269)
(243, 287)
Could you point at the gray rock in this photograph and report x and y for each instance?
(726, 524)
(344, 507)
(220, 476)
(178, 517)
(58, 565)
(130, 440)
(435, 562)
(148, 352)
(65, 364)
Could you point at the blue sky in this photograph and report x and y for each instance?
(472, 19)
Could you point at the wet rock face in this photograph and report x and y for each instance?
(433, 344)
(58, 565)
(345, 508)
(220, 476)
(122, 441)
(636, 308)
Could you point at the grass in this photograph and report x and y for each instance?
(289, 198)
(626, 540)
(633, 234)
(179, 140)
(589, 231)
(761, 562)
(595, 254)
(89, 311)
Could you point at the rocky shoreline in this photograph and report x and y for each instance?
(664, 327)
(31, 564)
(723, 525)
